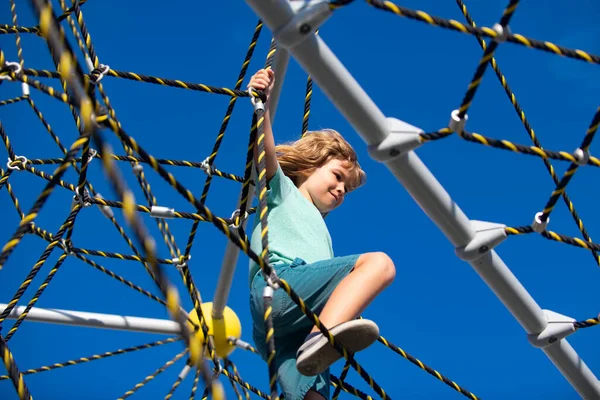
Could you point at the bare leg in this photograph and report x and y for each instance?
(372, 273)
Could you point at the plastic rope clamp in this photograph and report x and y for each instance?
(402, 137)
(16, 70)
(138, 169)
(236, 214)
(538, 225)
(25, 89)
(268, 291)
(181, 262)
(456, 123)
(162, 212)
(98, 73)
(68, 249)
(18, 167)
(184, 372)
(502, 32)
(559, 327)
(487, 236)
(106, 210)
(582, 157)
(83, 200)
(206, 167)
(256, 102)
(92, 153)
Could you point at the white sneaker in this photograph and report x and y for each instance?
(317, 354)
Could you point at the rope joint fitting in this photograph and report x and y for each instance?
(307, 19)
(402, 138)
(487, 236)
(559, 327)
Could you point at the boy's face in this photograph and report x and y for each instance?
(327, 186)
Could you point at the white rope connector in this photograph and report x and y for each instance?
(205, 166)
(92, 153)
(456, 123)
(501, 31)
(103, 71)
(17, 70)
(19, 167)
(82, 200)
(582, 157)
(138, 169)
(538, 225)
(236, 214)
(68, 249)
(256, 101)
(106, 210)
(25, 89)
(162, 212)
(181, 262)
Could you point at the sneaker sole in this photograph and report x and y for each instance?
(354, 335)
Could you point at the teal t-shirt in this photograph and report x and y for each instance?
(296, 227)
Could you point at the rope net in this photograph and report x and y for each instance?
(171, 278)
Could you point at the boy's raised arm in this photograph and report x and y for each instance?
(264, 80)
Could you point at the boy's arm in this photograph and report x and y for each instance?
(264, 79)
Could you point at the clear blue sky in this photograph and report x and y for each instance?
(438, 309)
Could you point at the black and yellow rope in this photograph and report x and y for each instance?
(223, 128)
(149, 378)
(95, 357)
(346, 387)
(257, 131)
(513, 100)
(573, 241)
(246, 385)
(36, 296)
(13, 371)
(232, 369)
(483, 32)
(587, 323)
(174, 387)
(488, 53)
(507, 145)
(429, 370)
(568, 175)
(38, 265)
(5, 29)
(13, 100)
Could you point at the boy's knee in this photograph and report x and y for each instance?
(380, 264)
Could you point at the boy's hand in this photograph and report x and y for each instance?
(264, 79)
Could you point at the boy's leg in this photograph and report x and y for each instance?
(372, 273)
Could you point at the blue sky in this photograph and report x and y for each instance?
(438, 309)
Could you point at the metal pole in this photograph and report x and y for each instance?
(318, 60)
(232, 252)
(95, 320)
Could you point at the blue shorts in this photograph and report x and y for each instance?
(314, 283)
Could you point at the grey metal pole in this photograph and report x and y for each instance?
(342, 89)
(95, 320)
(232, 252)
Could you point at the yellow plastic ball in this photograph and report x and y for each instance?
(220, 329)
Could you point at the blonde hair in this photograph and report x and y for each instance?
(301, 158)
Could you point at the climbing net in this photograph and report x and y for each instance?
(93, 113)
